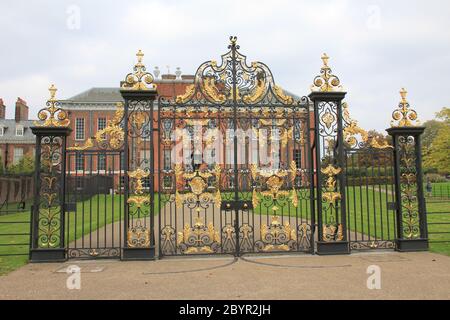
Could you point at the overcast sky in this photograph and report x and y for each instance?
(376, 47)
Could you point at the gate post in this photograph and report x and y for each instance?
(412, 232)
(47, 225)
(329, 179)
(139, 94)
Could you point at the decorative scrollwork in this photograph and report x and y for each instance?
(140, 79)
(403, 116)
(331, 231)
(371, 245)
(52, 115)
(111, 137)
(197, 182)
(326, 81)
(408, 187)
(49, 217)
(138, 236)
(234, 80)
(274, 180)
(277, 236)
(198, 238)
(331, 196)
(351, 129)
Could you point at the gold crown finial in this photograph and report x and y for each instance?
(404, 116)
(52, 91)
(325, 59)
(403, 94)
(52, 115)
(139, 56)
(140, 79)
(326, 81)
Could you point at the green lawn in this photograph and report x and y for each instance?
(356, 199)
(90, 215)
(10, 263)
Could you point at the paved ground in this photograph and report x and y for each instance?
(403, 276)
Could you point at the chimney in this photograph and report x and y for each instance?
(188, 77)
(2, 109)
(21, 110)
(168, 76)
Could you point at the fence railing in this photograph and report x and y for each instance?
(438, 191)
(15, 235)
(438, 218)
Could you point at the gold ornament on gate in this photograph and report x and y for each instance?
(326, 81)
(52, 115)
(139, 79)
(404, 116)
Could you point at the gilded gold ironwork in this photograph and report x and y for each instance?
(138, 175)
(197, 184)
(328, 118)
(332, 232)
(274, 179)
(113, 134)
(198, 238)
(87, 145)
(277, 236)
(138, 236)
(326, 81)
(403, 116)
(331, 196)
(140, 79)
(282, 96)
(351, 129)
(139, 201)
(211, 90)
(188, 94)
(52, 115)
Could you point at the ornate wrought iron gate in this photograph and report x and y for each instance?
(234, 164)
(370, 189)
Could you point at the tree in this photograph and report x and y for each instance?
(437, 155)
(24, 166)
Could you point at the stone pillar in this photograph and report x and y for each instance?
(412, 231)
(47, 230)
(139, 94)
(329, 163)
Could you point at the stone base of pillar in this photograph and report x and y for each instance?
(331, 248)
(47, 255)
(129, 254)
(404, 245)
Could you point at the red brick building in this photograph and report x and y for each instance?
(16, 138)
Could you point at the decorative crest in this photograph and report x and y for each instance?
(326, 81)
(403, 116)
(52, 115)
(233, 43)
(233, 79)
(140, 79)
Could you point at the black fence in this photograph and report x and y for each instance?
(15, 215)
(438, 214)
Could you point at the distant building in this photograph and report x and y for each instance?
(16, 138)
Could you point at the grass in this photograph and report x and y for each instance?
(20, 225)
(356, 199)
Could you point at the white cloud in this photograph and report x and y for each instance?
(410, 47)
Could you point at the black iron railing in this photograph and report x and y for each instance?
(15, 235)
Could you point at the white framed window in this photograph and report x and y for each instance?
(101, 165)
(18, 155)
(2, 130)
(79, 129)
(167, 159)
(79, 162)
(101, 124)
(19, 131)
